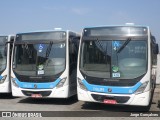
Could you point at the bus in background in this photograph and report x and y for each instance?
(5, 59)
(115, 65)
(44, 64)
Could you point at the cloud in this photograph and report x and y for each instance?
(76, 11)
(121, 17)
(81, 11)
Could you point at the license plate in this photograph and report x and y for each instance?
(115, 75)
(36, 95)
(40, 72)
(106, 101)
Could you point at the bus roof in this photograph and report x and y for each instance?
(126, 25)
(44, 31)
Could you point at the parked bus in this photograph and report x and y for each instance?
(44, 64)
(115, 65)
(5, 59)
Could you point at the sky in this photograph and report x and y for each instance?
(33, 15)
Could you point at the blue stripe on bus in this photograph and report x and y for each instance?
(27, 85)
(1, 77)
(114, 89)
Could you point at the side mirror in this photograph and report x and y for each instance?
(5, 49)
(156, 49)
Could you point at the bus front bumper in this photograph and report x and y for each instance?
(5, 87)
(45, 93)
(142, 99)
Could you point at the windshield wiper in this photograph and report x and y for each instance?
(28, 50)
(102, 47)
(49, 49)
(125, 43)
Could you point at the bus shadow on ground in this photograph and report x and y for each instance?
(6, 96)
(115, 108)
(57, 101)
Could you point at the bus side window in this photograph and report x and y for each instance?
(73, 53)
(73, 49)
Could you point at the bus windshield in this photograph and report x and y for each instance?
(115, 59)
(40, 59)
(3, 57)
(40, 54)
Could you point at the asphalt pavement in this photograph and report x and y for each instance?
(72, 106)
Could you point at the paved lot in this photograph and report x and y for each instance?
(8, 103)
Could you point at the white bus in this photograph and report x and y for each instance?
(115, 65)
(5, 57)
(44, 64)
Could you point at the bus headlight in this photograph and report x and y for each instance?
(141, 88)
(82, 86)
(61, 83)
(14, 82)
(3, 79)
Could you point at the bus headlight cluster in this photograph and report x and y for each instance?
(3, 79)
(82, 86)
(14, 82)
(141, 88)
(61, 83)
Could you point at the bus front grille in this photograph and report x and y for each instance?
(43, 93)
(119, 99)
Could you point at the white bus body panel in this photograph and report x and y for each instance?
(142, 99)
(63, 92)
(139, 99)
(5, 87)
(158, 69)
(56, 92)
